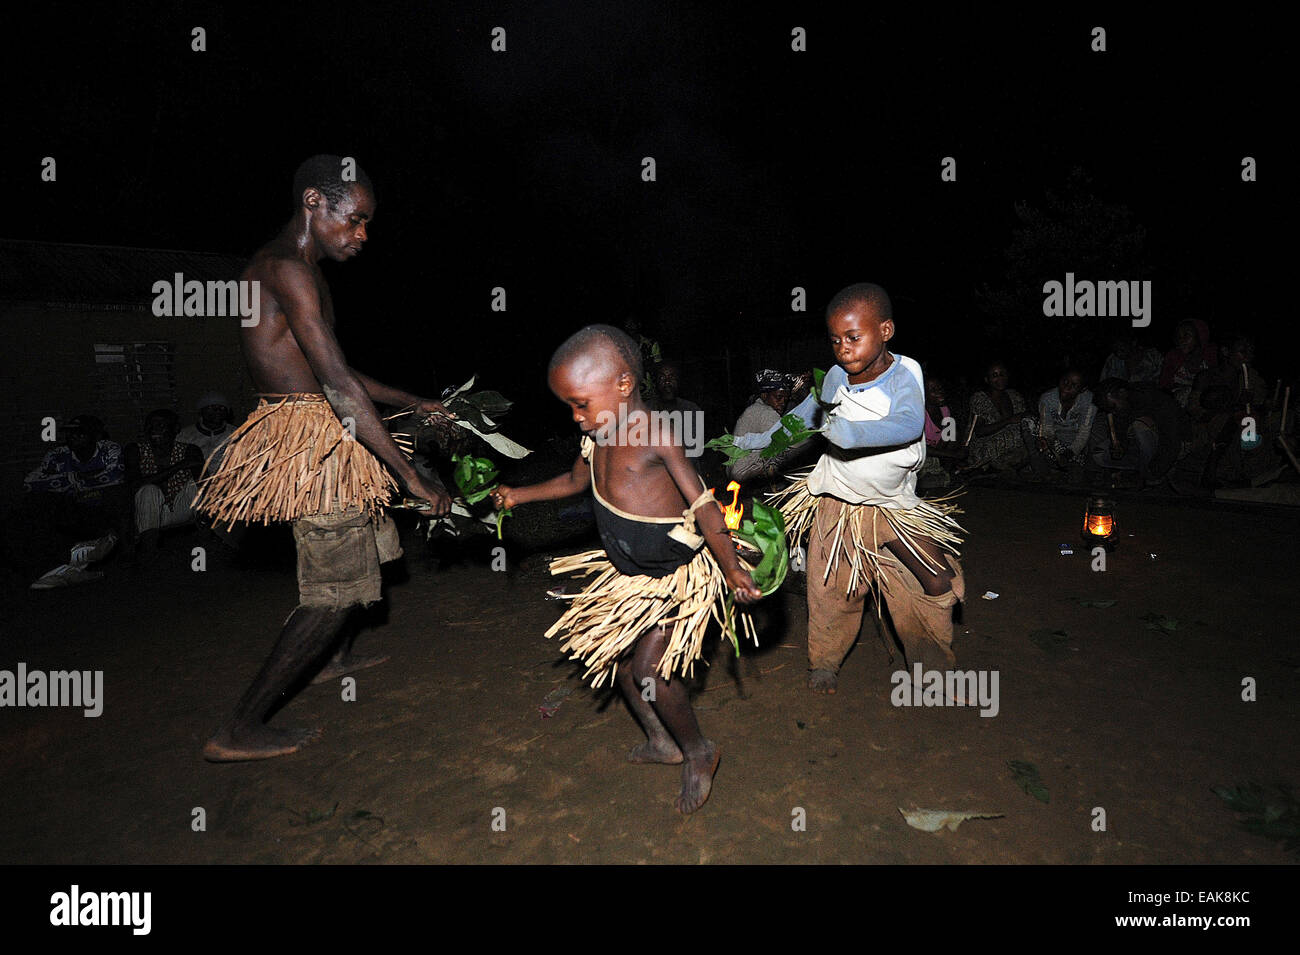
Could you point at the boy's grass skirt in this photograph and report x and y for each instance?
(615, 610)
(293, 458)
(855, 536)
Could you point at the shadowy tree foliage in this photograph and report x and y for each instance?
(1072, 230)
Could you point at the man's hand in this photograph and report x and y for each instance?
(439, 500)
(432, 406)
(743, 585)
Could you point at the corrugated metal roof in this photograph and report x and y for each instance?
(64, 275)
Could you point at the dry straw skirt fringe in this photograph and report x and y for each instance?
(614, 610)
(855, 534)
(290, 459)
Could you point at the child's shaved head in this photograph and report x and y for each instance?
(868, 294)
(614, 341)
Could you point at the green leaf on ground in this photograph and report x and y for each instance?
(1027, 778)
(313, 816)
(1271, 812)
(1099, 604)
(1158, 621)
(1055, 643)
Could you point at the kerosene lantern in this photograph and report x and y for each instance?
(1099, 522)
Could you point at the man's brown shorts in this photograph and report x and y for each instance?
(339, 556)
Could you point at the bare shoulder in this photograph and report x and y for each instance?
(278, 270)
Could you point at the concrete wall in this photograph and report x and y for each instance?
(49, 369)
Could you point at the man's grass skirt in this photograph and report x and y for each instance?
(293, 458)
(615, 610)
(855, 536)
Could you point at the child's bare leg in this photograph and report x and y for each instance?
(672, 706)
(935, 584)
(659, 746)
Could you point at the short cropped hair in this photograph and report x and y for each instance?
(1243, 344)
(167, 414)
(582, 341)
(864, 293)
(1107, 389)
(325, 174)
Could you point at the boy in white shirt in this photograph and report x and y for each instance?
(869, 529)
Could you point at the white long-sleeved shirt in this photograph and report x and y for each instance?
(876, 435)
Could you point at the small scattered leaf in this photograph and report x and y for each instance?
(1055, 643)
(313, 816)
(1026, 777)
(932, 820)
(1099, 604)
(1272, 813)
(1158, 621)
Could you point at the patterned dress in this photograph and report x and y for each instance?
(1004, 447)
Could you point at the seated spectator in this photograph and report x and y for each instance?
(667, 379)
(1221, 399)
(940, 454)
(1138, 429)
(996, 440)
(161, 472)
(1130, 361)
(1192, 353)
(210, 432)
(85, 464)
(76, 503)
(767, 404)
(1058, 438)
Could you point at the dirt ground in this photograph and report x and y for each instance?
(1137, 721)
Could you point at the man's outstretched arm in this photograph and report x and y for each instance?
(383, 394)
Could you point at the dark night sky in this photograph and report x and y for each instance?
(775, 168)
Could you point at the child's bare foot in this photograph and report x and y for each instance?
(262, 743)
(697, 778)
(664, 751)
(823, 681)
(341, 666)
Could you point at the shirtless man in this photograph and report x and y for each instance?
(292, 350)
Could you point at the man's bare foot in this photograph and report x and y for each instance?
(697, 778)
(263, 743)
(341, 666)
(823, 681)
(665, 751)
